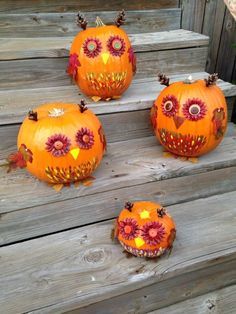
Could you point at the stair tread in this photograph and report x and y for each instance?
(14, 104)
(75, 268)
(25, 48)
(120, 168)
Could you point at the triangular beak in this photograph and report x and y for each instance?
(75, 153)
(105, 57)
(178, 121)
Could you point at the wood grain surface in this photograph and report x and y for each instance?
(63, 24)
(79, 267)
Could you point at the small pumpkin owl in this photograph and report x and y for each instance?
(102, 61)
(145, 229)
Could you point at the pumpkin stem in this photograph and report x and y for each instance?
(120, 19)
(81, 21)
(211, 80)
(33, 115)
(163, 79)
(161, 212)
(82, 106)
(99, 22)
(129, 206)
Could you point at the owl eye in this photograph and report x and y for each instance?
(169, 105)
(194, 109)
(92, 47)
(116, 46)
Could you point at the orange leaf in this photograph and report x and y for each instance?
(96, 98)
(116, 97)
(87, 183)
(58, 187)
(193, 159)
(168, 155)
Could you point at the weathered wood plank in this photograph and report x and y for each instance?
(57, 216)
(193, 14)
(56, 275)
(14, 104)
(51, 72)
(212, 27)
(63, 24)
(120, 168)
(219, 301)
(35, 6)
(227, 52)
(162, 294)
(54, 47)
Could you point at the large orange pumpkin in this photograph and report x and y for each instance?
(145, 229)
(190, 117)
(65, 142)
(102, 61)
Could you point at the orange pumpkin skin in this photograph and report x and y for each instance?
(66, 143)
(145, 229)
(105, 72)
(179, 125)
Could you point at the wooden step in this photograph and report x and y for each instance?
(173, 52)
(82, 269)
(25, 6)
(63, 24)
(133, 169)
(55, 47)
(123, 119)
(219, 301)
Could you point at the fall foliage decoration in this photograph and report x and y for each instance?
(102, 61)
(145, 229)
(189, 118)
(60, 143)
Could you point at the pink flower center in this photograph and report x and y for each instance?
(58, 145)
(152, 232)
(127, 229)
(86, 138)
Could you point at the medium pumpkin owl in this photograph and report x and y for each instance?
(190, 117)
(102, 61)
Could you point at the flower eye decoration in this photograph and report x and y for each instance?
(194, 109)
(85, 138)
(153, 232)
(116, 46)
(92, 47)
(128, 228)
(170, 105)
(58, 145)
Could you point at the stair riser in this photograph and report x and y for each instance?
(63, 24)
(36, 73)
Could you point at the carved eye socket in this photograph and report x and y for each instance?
(92, 47)
(116, 46)
(169, 105)
(194, 109)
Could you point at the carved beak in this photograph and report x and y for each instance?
(178, 121)
(105, 57)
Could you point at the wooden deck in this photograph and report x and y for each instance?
(56, 254)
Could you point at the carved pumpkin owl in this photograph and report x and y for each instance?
(190, 117)
(102, 61)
